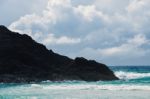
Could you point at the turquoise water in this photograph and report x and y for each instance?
(134, 83)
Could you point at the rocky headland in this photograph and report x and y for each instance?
(24, 60)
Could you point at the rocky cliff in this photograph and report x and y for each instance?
(24, 60)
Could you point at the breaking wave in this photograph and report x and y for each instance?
(131, 75)
(91, 87)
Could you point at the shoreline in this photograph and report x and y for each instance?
(81, 94)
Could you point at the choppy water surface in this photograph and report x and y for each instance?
(134, 83)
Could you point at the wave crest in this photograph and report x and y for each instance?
(96, 87)
(131, 75)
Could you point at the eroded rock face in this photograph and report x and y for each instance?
(24, 60)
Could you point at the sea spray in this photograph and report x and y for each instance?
(131, 75)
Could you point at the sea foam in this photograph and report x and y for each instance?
(131, 75)
(93, 87)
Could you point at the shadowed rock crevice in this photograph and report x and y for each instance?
(24, 60)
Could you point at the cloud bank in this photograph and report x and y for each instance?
(112, 31)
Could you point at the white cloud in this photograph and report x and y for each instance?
(17, 8)
(132, 48)
(51, 39)
(136, 5)
(54, 3)
(49, 16)
(89, 12)
(100, 28)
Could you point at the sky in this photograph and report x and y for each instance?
(114, 32)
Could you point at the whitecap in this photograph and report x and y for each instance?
(131, 75)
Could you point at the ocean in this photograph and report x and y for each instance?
(134, 83)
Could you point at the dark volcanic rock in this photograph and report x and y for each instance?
(24, 60)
